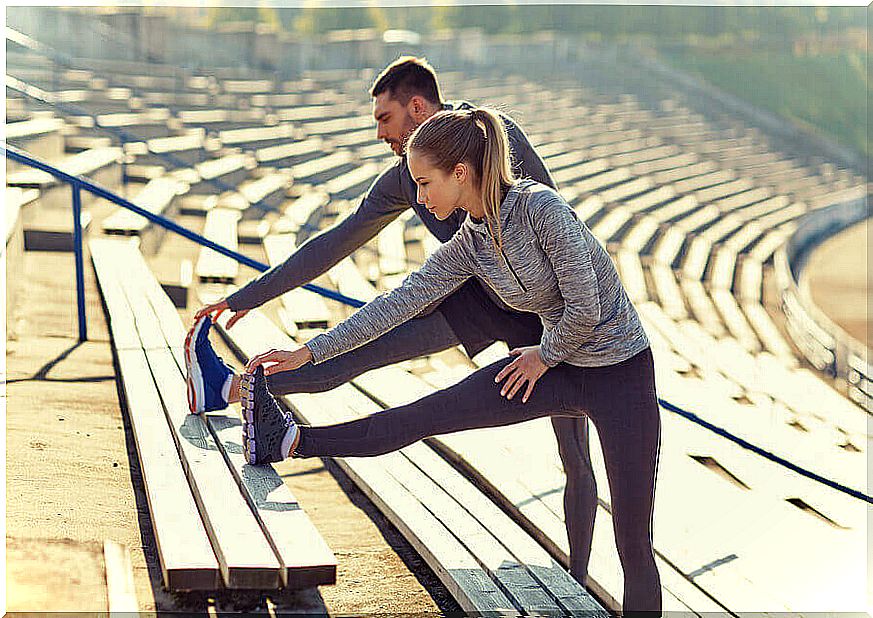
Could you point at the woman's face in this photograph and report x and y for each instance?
(441, 193)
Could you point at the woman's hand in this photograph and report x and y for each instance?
(280, 360)
(528, 367)
(216, 309)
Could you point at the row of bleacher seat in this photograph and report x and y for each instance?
(642, 177)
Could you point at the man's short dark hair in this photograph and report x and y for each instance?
(406, 77)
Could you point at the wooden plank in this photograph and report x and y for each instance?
(355, 181)
(246, 558)
(120, 589)
(185, 553)
(349, 281)
(551, 575)
(300, 211)
(167, 316)
(306, 559)
(303, 308)
(220, 228)
(392, 249)
(155, 197)
(121, 321)
(305, 556)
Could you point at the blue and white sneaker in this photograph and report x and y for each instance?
(207, 374)
(268, 430)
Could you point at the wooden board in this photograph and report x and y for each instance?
(120, 589)
(186, 556)
(246, 558)
(306, 559)
(221, 229)
(305, 309)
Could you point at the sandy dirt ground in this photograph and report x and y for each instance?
(839, 278)
(73, 480)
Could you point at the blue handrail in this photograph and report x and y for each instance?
(79, 183)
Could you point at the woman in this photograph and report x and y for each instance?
(524, 241)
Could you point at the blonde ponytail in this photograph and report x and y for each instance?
(475, 137)
(496, 174)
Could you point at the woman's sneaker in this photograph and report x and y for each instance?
(207, 374)
(268, 430)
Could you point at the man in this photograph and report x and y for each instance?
(404, 95)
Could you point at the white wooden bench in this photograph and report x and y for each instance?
(222, 119)
(220, 228)
(297, 215)
(265, 193)
(215, 175)
(41, 137)
(98, 164)
(324, 168)
(148, 124)
(258, 137)
(309, 113)
(48, 225)
(219, 523)
(337, 126)
(302, 309)
(189, 149)
(659, 165)
(283, 155)
(354, 182)
(160, 197)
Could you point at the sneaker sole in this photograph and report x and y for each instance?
(194, 377)
(247, 402)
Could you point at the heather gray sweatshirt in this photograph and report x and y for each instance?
(550, 265)
(392, 193)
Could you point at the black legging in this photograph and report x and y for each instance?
(619, 399)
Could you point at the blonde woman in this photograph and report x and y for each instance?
(524, 241)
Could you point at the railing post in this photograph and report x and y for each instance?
(80, 268)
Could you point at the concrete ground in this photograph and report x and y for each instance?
(73, 480)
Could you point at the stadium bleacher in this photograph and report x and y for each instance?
(694, 211)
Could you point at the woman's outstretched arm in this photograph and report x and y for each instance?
(441, 274)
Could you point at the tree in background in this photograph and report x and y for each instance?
(234, 14)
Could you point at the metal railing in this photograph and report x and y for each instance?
(77, 184)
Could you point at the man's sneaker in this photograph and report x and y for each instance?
(206, 372)
(265, 423)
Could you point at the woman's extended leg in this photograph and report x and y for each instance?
(622, 402)
(472, 403)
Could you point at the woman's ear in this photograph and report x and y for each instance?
(460, 172)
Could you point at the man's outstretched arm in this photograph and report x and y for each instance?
(380, 206)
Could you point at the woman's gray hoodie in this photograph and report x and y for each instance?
(550, 265)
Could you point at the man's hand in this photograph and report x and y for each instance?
(280, 360)
(528, 367)
(216, 309)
